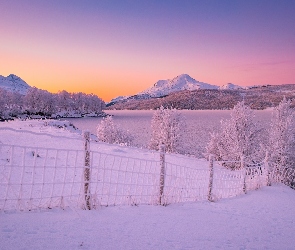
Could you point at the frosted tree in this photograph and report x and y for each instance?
(214, 145)
(96, 104)
(3, 102)
(30, 100)
(79, 102)
(14, 103)
(64, 101)
(167, 128)
(46, 102)
(109, 132)
(282, 136)
(240, 137)
(42, 102)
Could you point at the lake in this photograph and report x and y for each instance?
(199, 125)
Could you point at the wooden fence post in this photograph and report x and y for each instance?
(243, 167)
(87, 170)
(162, 173)
(211, 158)
(268, 183)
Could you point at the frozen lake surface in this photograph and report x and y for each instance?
(199, 125)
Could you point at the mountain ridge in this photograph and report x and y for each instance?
(181, 82)
(13, 83)
(230, 86)
(163, 88)
(257, 97)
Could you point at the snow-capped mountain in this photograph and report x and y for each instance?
(181, 82)
(14, 83)
(230, 86)
(166, 87)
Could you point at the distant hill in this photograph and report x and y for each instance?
(258, 97)
(230, 86)
(181, 82)
(14, 83)
(163, 88)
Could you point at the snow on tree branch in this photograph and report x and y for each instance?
(109, 132)
(282, 136)
(240, 137)
(167, 127)
(42, 102)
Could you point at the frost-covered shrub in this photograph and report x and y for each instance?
(167, 127)
(282, 136)
(3, 102)
(240, 137)
(10, 103)
(109, 132)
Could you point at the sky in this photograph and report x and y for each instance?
(112, 48)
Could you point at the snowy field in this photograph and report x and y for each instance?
(200, 123)
(262, 219)
(42, 166)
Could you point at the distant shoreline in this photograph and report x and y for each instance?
(52, 117)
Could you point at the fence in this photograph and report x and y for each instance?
(32, 178)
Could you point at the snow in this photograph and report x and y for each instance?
(165, 87)
(230, 86)
(119, 98)
(14, 83)
(262, 219)
(181, 82)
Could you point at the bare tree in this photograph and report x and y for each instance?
(282, 136)
(167, 128)
(240, 137)
(109, 132)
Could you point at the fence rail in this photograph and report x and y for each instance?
(32, 178)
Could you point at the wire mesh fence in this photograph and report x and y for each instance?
(118, 180)
(33, 178)
(39, 177)
(282, 174)
(184, 183)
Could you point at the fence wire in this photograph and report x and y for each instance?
(34, 178)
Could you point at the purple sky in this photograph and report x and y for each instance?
(116, 48)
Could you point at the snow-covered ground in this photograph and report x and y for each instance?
(262, 219)
(45, 168)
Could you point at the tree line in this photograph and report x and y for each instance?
(42, 102)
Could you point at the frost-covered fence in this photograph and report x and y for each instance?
(32, 178)
(280, 174)
(119, 180)
(87, 169)
(39, 177)
(229, 183)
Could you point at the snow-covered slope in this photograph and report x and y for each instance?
(181, 82)
(260, 219)
(14, 83)
(119, 98)
(166, 87)
(230, 86)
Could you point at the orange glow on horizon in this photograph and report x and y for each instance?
(97, 48)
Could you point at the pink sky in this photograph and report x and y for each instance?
(113, 48)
